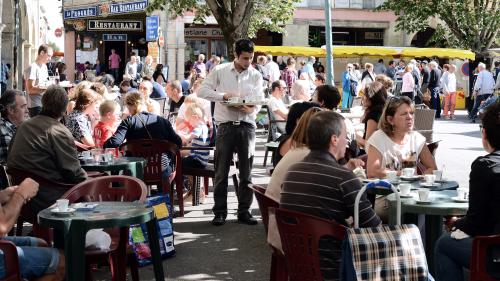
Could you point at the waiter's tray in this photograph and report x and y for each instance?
(245, 102)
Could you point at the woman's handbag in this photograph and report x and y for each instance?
(427, 96)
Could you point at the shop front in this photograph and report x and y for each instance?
(204, 40)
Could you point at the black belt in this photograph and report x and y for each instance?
(235, 123)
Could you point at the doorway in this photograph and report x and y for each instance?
(120, 49)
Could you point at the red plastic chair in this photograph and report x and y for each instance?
(11, 261)
(300, 234)
(278, 267)
(482, 264)
(26, 214)
(110, 188)
(152, 150)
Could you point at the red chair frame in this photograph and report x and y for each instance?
(11, 260)
(478, 262)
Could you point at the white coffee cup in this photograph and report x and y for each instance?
(392, 176)
(86, 154)
(463, 193)
(429, 179)
(405, 188)
(62, 205)
(408, 172)
(423, 194)
(438, 174)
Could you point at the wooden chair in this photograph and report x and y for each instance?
(271, 133)
(27, 215)
(152, 151)
(109, 188)
(424, 122)
(278, 266)
(300, 234)
(11, 261)
(485, 258)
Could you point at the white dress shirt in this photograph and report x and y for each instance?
(224, 78)
(274, 71)
(484, 83)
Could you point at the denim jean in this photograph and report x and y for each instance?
(233, 138)
(451, 256)
(436, 101)
(477, 103)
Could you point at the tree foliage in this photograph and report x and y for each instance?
(236, 18)
(469, 24)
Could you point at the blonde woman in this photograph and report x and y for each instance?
(408, 87)
(449, 84)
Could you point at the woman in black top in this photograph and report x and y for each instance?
(373, 102)
(158, 74)
(453, 250)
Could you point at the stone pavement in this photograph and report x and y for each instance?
(239, 252)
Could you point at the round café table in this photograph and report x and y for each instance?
(134, 165)
(70, 232)
(431, 215)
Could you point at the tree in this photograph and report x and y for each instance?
(236, 18)
(468, 24)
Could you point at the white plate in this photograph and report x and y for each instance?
(424, 202)
(459, 200)
(413, 178)
(424, 184)
(68, 212)
(84, 206)
(370, 180)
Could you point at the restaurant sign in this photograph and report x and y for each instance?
(122, 8)
(121, 25)
(80, 13)
(114, 37)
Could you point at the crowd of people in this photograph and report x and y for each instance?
(317, 162)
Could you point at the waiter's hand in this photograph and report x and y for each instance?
(247, 108)
(227, 96)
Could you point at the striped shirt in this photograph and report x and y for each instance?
(201, 140)
(319, 186)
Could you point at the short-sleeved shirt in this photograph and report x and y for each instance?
(390, 150)
(115, 61)
(201, 140)
(79, 125)
(102, 132)
(7, 131)
(39, 74)
(371, 115)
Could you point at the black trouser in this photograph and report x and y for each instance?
(34, 111)
(436, 101)
(231, 137)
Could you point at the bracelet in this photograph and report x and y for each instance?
(24, 199)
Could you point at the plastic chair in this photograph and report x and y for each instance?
(110, 188)
(152, 151)
(11, 261)
(300, 234)
(26, 214)
(485, 258)
(271, 133)
(278, 267)
(424, 122)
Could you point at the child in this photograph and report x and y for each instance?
(110, 117)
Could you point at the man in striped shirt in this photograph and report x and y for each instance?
(321, 187)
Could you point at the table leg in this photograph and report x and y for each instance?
(74, 252)
(433, 230)
(155, 250)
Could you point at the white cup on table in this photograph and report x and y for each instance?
(408, 172)
(463, 193)
(62, 205)
(438, 174)
(405, 188)
(423, 194)
(392, 176)
(429, 179)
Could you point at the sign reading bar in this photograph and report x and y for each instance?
(80, 13)
(122, 25)
(152, 24)
(125, 8)
(114, 37)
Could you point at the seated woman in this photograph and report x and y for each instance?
(144, 125)
(395, 145)
(296, 111)
(453, 251)
(79, 120)
(373, 103)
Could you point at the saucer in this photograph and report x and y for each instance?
(84, 206)
(424, 202)
(442, 180)
(68, 212)
(405, 196)
(424, 184)
(412, 178)
(460, 200)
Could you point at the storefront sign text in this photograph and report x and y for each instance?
(132, 25)
(202, 32)
(80, 13)
(152, 24)
(114, 37)
(122, 8)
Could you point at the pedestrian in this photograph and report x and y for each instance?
(380, 67)
(273, 69)
(148, 69)
(39, 75)
(368, 75)
(434, 87)
(114, 64)
(97, 68)
(408, 87)
(200, 65)
(425, 74)
(349, 84)
(289, 75)
(449, 84)
(131, 68)
(236, 127)
(483, 89)
(391, 70)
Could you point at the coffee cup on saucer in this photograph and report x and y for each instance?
(438, 174)
(392, 176)
(423, 194)
(62, 205)
(408, 172)
(405, 189)
(463, 193)
(429, 179)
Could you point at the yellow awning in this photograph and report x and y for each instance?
(438, 52)
(291, 51)
(363, 51)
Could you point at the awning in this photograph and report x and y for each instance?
(291, 51)
(438, 52)
(363, 51)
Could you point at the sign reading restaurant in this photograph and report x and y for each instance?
(119, 25)
(124, 8)
(105, 9)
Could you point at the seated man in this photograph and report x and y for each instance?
(14, 109)
(45, 147)
(36, 261)
(318, 185)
